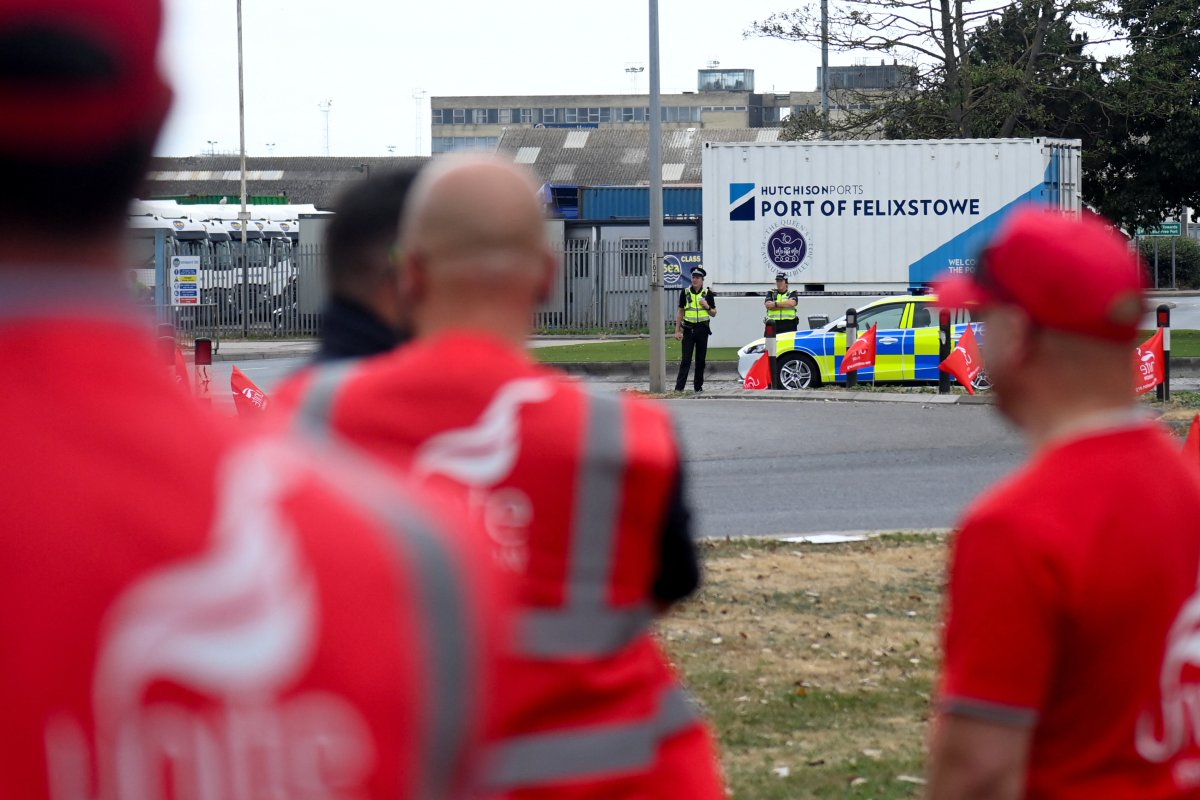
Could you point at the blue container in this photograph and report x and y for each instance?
(633, 202)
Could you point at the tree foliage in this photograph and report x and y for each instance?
(1001, 68)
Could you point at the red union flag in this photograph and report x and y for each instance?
(247, 398)
(759, 376)
(861, 354)
(1191, 446)
(1149, 369)
(964, 362)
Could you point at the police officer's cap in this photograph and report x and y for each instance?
(699, 271)
(781, 277)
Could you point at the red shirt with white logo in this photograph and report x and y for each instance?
(1074, 609)
(184, 613)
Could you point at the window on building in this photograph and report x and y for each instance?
(505, 116)
(479, 116)
(570, 115)
(435, 116)
(634, 257)
(548, 115)
(460, 116)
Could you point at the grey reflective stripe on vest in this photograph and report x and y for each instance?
(440, 587)
(594, 751)
(586, 625)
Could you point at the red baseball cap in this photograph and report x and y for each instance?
(79, 75)
(1073, 274)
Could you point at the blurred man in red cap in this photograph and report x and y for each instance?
(183, 614)
(1072, 639)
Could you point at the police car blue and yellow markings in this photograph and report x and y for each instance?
(907, 349)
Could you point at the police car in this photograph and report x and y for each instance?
(906, 346)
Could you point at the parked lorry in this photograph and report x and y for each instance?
(870, 215)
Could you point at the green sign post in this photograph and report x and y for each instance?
(1165, 229)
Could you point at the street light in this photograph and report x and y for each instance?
(270, 148)
(212, 146)
(244, 213)
(633, 70)
(658, 345)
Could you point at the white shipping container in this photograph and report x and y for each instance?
(869, 215)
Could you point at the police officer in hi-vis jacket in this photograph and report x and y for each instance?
(781, 306)
(697, 306)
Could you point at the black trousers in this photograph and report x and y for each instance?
(786, 325)
(695, 338)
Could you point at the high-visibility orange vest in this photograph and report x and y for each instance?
(572, 486)
(193, 611)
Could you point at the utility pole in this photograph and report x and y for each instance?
(824, 69)
(658, 345)
(244, 214)
(325, 105)
(418, 103)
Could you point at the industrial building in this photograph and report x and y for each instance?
(724, 99)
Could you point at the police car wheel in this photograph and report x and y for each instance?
(982, 382)
(798, 371)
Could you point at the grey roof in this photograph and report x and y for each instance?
(617, 157)
(600, 157)
(301, 180)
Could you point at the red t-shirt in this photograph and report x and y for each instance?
(1074, 608)
(188, 611)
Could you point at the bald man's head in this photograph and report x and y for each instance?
(474, 209)
(476, 221)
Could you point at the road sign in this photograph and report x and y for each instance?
(1165, 229)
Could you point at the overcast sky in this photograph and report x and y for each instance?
(368, 57)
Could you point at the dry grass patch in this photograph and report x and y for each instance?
(816, 662)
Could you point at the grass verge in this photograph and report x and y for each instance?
(815, 663)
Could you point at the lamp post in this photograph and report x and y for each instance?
(212, 146)
(633, 71)
(270, 148)
(658, 345)
(244, 213)
(418, 96)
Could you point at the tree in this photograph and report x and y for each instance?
(1000, 68)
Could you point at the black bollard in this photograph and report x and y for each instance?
(851, 337)
(944, 350)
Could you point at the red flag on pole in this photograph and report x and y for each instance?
(1191, 446)
(759, 376)
(1149, 369)
(247, 397)
(964, 362)
(181, 371)
(861, 354)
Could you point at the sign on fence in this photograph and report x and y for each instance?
(185, 280)
(677, 268)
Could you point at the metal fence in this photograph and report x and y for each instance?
(267, 294)
(601, 287)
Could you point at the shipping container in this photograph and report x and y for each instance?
(869, 216)
(633, 202)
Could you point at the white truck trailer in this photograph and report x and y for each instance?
(849, 221)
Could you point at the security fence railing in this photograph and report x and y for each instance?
(601, 287)
(604, 287)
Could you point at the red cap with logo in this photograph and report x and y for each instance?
(1072, 274)
(77, 76)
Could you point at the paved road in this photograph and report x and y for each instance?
(802, 467)
(772, 467)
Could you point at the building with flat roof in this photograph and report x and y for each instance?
(724, 99)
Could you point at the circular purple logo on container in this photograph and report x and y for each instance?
(786, 248)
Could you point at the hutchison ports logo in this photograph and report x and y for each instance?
(741, 202)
